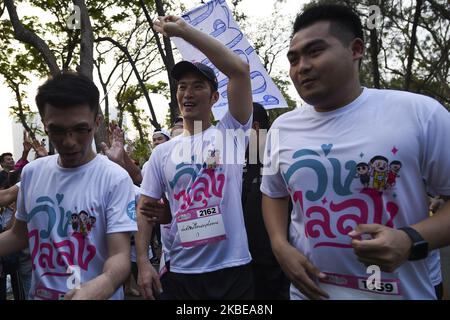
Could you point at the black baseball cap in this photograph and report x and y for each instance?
(183, 67)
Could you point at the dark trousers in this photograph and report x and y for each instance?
(235, 283)
(16, 284)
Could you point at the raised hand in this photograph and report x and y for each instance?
(116, 152)
(27, 144)
(170, 26)
(39, 148)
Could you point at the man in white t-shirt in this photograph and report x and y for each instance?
(353, 161)
(199, 173)
(76, 209)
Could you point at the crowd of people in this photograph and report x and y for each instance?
(335, 189)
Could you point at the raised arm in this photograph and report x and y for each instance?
(27, 145)
(117, 154)
(238, 72)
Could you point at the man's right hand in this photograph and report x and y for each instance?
(148, 281)
(300, 271)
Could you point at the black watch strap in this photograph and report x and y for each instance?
(419, 248)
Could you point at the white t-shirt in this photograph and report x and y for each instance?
(318, 155)
(202, 178)
(69, 212)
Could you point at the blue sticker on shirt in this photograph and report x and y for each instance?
(131, 210)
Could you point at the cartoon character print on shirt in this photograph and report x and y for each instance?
(363, 173)
(384, 175)
(394, 169)
(329, 218)
(83, 222)
(53, 249)
(379, 165)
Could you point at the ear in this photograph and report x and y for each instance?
(215, 97)
(98, 120)
(357, 47)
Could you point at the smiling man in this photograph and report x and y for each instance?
(342, 223)
(207, 246)
(85, 260)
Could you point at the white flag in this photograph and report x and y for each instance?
(216, 19)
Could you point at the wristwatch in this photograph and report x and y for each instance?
(419, 247)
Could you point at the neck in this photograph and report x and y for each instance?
(352, 91)
(192, 127)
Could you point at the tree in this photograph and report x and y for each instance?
(74, 48)
(409, 49)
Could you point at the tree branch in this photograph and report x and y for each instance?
(24, 35)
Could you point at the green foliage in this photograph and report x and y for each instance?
(139, 150)
(283, 86)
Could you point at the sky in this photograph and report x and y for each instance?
(10, 132)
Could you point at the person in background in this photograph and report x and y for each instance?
(270, 281)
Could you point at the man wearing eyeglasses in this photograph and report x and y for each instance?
(84, 260)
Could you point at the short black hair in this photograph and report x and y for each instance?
(3, 155)
(177, 120)
(361, 165)
(68, 89)
(346, 24)
(378, 158)
(260, 115)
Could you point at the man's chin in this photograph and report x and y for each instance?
(312, 98)
(71, 160)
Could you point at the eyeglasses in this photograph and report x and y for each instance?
(80, 132)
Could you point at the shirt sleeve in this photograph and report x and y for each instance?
(20, 164)
(435, 162)
(273, 184)
(229, 122)
(152, 177)
(21, 213)
(121, 207)
(238, 133)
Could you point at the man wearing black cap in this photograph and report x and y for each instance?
(197, 171)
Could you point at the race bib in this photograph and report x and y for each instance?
(346, 287)
(200, 226)
(44, 293)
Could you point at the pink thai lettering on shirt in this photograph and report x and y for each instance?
(203, 188)
(53, 255)
(337, 215)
